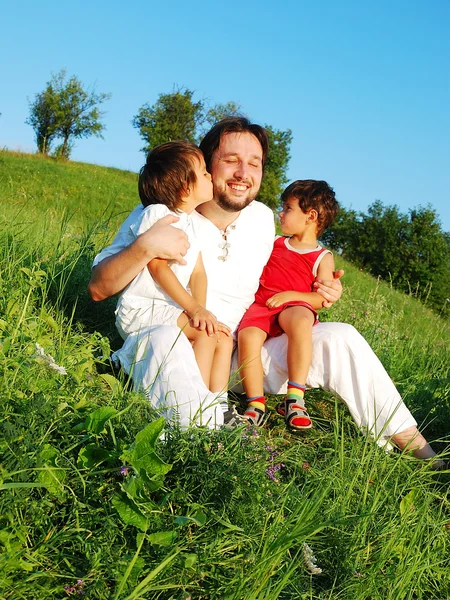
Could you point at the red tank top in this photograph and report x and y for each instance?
(289, 269)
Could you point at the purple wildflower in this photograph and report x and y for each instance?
(76, 588)
(123, 471)
(272, 470)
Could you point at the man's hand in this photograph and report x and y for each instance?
(165, 241)
(330, 290)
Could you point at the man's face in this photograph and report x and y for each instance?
(236, 170)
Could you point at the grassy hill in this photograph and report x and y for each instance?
(231, 517)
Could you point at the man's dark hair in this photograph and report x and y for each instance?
(317, 195)
(211, 141)
(168, 173)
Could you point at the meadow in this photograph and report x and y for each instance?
(94, 502)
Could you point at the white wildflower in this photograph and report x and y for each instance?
(310, 560)
(49, 361)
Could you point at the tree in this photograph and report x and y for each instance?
(275, 177)
(42, 119)
(176, 116)
(65, 110)
(411, 251)
(173, 117)
(216, 113)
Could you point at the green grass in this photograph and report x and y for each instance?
(201, 515)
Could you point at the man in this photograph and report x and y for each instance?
(238, 234)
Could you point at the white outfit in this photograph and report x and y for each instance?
(143, 301)
(342, 361)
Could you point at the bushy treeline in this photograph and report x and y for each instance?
(410, 250)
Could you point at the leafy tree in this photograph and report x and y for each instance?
(275, 178)
(174, 116)
(42, 119)
(216, 113)
(411, 250)
(65, 110)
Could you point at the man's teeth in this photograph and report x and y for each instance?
(237, 187)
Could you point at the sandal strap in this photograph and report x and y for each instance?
(255, 416)
(293, 411)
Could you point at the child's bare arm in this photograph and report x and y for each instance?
(198, 284)
(325, 271)
(166, 278)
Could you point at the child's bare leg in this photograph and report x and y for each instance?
(204, 347)
(250, 342)
(413, 440)
(297, 322)
(220, 370)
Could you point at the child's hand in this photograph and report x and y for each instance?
(203, 320)
(224, 328)
(279, 299)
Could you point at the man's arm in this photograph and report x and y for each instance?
(115, 272)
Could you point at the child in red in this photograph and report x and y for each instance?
(284, 301)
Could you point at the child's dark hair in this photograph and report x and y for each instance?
(317, 195)
(168, 173)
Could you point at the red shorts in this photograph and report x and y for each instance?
(266, 319)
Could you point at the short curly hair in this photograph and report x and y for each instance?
(168, 173)
(317, 195)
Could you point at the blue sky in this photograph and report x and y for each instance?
(364, 87)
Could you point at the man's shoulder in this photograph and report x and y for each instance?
(261, 215)
(259, 208)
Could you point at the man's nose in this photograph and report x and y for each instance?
(242, 170)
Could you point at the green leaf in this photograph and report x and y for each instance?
(95, 422)
(190, 561)
(129, 512)
(407, 503)
(92, 455)
(162, 538)
(143, 454)
(113, 383)
(52, 476)
(199, 518)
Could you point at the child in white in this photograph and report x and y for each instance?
(174, 180)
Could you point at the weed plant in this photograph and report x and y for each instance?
(94, 502)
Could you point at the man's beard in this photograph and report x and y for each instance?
(222, 200)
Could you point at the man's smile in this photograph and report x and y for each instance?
(238, 187)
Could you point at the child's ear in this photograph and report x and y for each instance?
(313, 215)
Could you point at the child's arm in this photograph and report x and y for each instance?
(166, 278)
(325, 271)
(198, 284)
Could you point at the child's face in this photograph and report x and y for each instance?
(202, 190)
(293, 220)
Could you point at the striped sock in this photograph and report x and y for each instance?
(257, 402)
(294, 399)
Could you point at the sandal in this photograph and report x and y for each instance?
(292, 411)
(255, 416)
